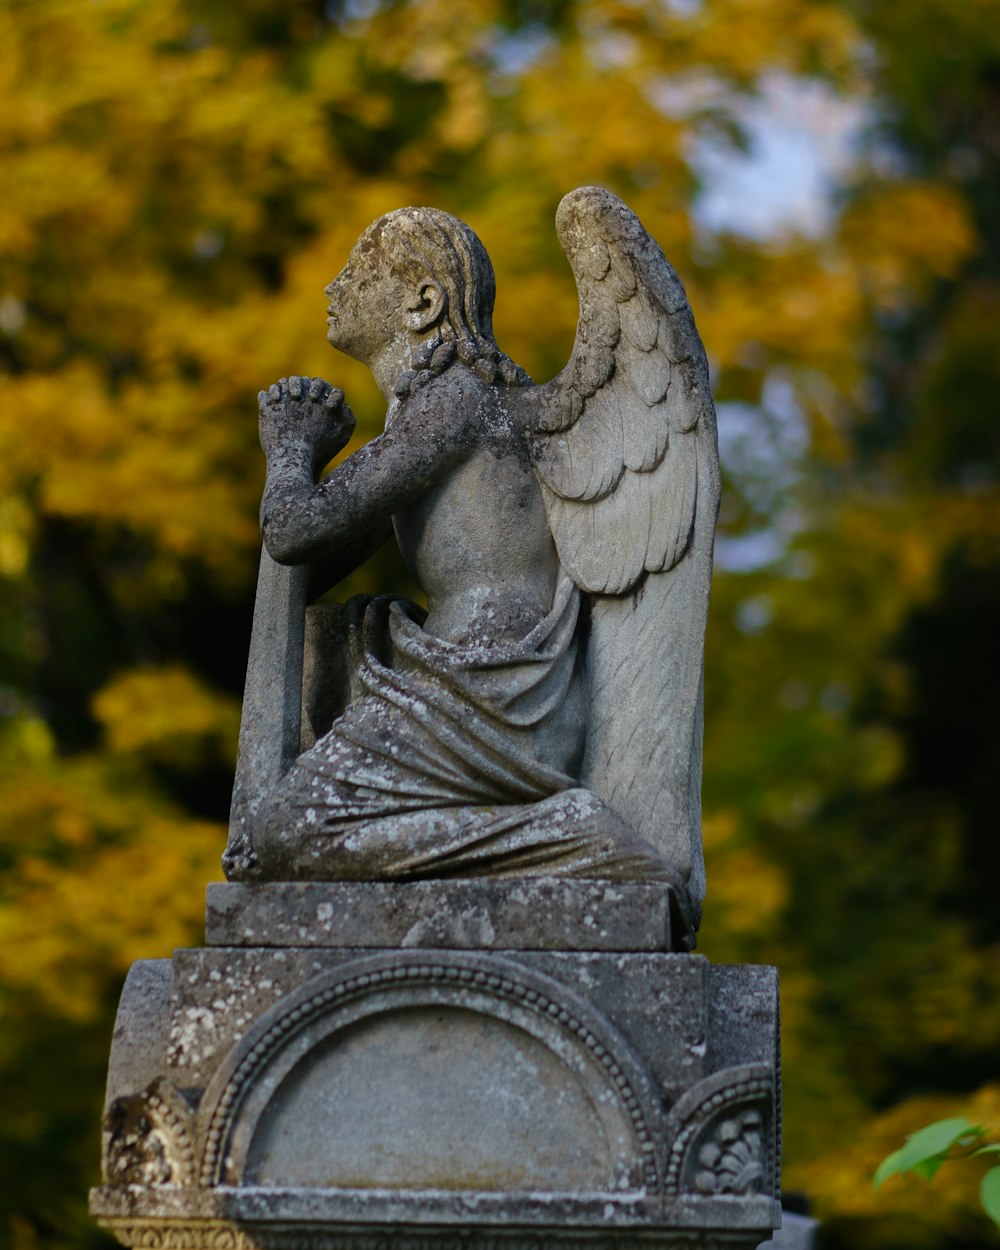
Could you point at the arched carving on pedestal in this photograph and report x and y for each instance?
(505, 1079)
(722, 1135)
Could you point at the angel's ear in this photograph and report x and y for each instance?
(426, 306)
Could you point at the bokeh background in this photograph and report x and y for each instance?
(178, 181)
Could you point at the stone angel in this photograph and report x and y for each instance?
(543, 716)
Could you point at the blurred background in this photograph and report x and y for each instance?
(178, 181)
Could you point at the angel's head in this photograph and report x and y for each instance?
(420, 280)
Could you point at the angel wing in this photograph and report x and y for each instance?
(625, 447)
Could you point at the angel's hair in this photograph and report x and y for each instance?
(428, 243)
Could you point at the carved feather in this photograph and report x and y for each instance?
(645, 431)
(620, 280)
(692, 401)
(588, 462)
(598, 548)
(640, 323)
(649, 372)
(594, 260)
(672, 517)
(557, 410)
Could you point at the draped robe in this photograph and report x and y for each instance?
(451, 760)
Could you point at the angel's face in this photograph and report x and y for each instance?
(366, 303)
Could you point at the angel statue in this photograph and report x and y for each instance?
(542, 717)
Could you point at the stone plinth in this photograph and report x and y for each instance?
(471, 1063)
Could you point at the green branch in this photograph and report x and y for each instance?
(943, 1142)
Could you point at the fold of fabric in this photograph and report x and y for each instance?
(442, 765)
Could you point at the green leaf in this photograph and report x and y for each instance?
(935, 1139)
(888, 1167)
(928, 1168)
(989, 1195)
(992, 1149)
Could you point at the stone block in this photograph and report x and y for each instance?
(478, 914)
(324, 1095)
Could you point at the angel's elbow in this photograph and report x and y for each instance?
(284, 542)
(281, 549)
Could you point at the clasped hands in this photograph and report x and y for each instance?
(307, 413)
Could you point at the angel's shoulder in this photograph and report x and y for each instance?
(449, 402)
(457, 384)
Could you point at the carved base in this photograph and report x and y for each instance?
(489, 1089)
(222, 1235)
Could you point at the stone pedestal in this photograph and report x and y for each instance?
(463, 1064)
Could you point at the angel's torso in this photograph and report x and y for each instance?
(478, 541)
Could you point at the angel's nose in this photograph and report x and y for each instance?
(342, 280)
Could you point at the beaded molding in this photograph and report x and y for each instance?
(503, 987)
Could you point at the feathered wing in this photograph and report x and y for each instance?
(624, 445)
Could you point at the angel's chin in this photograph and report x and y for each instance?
(338, 344)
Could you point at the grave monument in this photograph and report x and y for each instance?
(448, 997)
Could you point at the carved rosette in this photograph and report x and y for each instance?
(732, 1161)
(723, 1135)
(148, 1138)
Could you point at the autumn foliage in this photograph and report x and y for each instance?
(180, 178)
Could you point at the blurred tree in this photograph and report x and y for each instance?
(182, 177)
(860, 738)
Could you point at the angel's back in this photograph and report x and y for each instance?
(478, 541)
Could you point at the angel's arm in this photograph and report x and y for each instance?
(330, 569)
(348, 513)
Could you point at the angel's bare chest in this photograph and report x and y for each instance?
(482, 526)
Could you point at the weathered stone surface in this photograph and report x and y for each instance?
(743, 1011)
(518, 914)
(478, 1077)
(338, 1220)
(301, 1093)
(359, 1218)
(658, 1001)
(462, 1073)
(563, 537)
(138, 1047)
(309, 1221)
